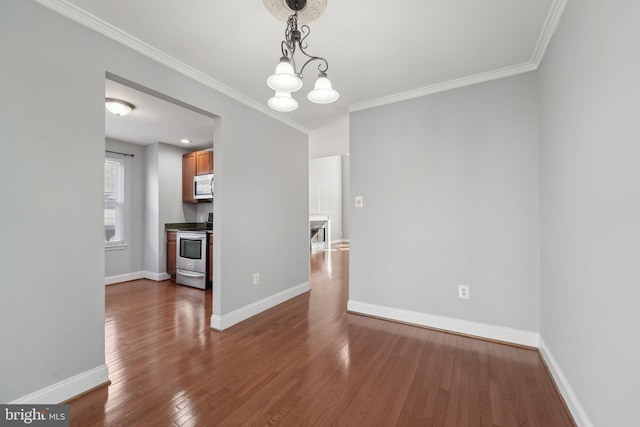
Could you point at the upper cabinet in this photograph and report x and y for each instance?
(204, 162)
(188, 172)
(195, 163)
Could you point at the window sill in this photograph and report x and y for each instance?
(115, 247)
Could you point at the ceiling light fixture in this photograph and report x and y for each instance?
(118, 106)
(185, 141)
(287, 78)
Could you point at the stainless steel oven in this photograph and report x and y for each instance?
(191, 258)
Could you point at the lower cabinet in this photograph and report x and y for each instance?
(171, 253)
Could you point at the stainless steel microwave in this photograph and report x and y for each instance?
(203, 187)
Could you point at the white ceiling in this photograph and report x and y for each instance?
(156, 120)
(378, 51)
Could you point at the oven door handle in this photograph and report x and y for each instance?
(190, 273)
(192, 236)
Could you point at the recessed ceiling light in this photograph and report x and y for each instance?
(185, 141)
(118, 106)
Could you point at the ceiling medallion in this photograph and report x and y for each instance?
(287, 77)
(308, 10)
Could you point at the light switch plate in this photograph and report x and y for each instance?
(359, 201)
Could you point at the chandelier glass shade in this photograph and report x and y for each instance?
(322, 92)
(287, 78)
(282, 101)
(284, 79)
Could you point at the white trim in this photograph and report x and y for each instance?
(66, 389)
(579, 414)
(442, 87)
(77, 14)
(81, 16)
(158, 277)
(225, 321)
(119, 278)
(500, 333)
(549, 27)
(115, 246)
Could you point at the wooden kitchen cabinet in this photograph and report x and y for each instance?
(204, 162)
(171, 253)
(210, 257)
(188, 172)
(195, 163)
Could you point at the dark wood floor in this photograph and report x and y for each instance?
(304, 363)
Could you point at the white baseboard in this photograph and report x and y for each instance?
(123, 277)
(483, 330)
(158, 277)
(66, 389)
(220, 323)
(577, 411)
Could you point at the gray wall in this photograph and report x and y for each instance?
(129, 259)
(590, 216)
(51, 175)
(163, 183)
(450, 187)
(53, 134)
(202, 211)
(152, 250)
(170, 206)
(261, 209)
(346, 199)
(331, 139)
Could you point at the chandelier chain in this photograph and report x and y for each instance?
(294, 37)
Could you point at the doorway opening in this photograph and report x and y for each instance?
(149, 144)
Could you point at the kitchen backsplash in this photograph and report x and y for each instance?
(203, 210)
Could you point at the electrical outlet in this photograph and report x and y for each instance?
(463, 291)
(256, 278)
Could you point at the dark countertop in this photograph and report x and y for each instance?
(208, 230)
(187, 226)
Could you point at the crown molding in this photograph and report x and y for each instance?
(441, 87)
(549, 27)
(81, 16)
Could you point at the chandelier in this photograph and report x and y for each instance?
(287, 77)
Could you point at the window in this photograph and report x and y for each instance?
(113, 202)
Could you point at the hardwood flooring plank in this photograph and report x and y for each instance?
(306, 362)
